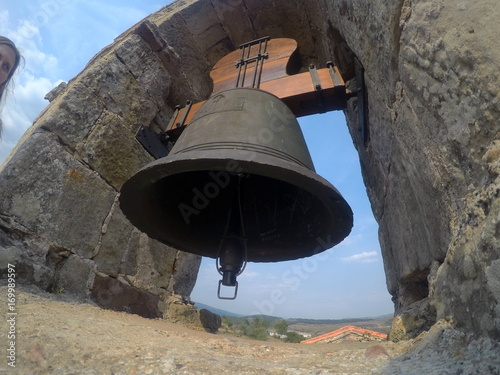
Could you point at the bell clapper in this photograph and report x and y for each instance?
(231, 258)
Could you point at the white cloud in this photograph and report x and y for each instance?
(249, 275)
(364, 257)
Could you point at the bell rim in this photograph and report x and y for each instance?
(211, 160)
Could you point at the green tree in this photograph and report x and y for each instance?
(294, 337)
(243, 326)
(255, 328)
(281, 326)
(227, 323)
(258, 329)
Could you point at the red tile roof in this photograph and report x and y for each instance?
(342, 332)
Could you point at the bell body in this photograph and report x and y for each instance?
(247, 142)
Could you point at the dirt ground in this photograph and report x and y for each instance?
(55, 335)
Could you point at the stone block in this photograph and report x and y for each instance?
(116, 295)
(75, 276)
(408, 323)
(111, 81)
(187, 63)
(112, 150)
(27, 252)
(52, 200)
(125, 251)
(118, 239)
(186, 265)
(210, 321)
(72, 114)
(181, 311)
(237, 22)
(155, 264)
(146, 67)
(209, 26)
(29, 271)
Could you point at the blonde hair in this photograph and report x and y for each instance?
(3, 86)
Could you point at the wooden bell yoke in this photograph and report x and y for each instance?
(270, 65)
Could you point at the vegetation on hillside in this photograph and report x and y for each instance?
(260, 328)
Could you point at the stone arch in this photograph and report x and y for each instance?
(430, 169)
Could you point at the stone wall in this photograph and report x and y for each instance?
(60, 217)
(431, 162)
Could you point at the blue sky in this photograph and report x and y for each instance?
(57, 39)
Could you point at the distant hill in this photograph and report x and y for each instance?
(217, 311)
(337, 321)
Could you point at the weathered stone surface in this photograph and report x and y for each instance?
(52, 199)
(56, 91)
(181, 311)
(413, 320)
(75, 276)
(71, 115)
(111, 151)
(429, 67)
(26, 251)
(184, 56)
(466, 285)
(146, 67)
(117, 295)
(234, 19)
(155, 265)
(210, 321)
(114, 85)
(78, 153)
(185, 266)
(141, 262)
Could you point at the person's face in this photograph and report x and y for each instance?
(7, 61)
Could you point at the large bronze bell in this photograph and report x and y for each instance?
(239, 185)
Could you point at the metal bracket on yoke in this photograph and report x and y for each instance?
(362, 101)
(158, 145)
(182, 121)
(334, 74)
(153, 143)
(359, 93)
(318, 88)
(242, 64)
(315, 77)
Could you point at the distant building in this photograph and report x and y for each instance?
(276, 334)
(347, 334)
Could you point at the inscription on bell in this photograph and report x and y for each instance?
(222, 103)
